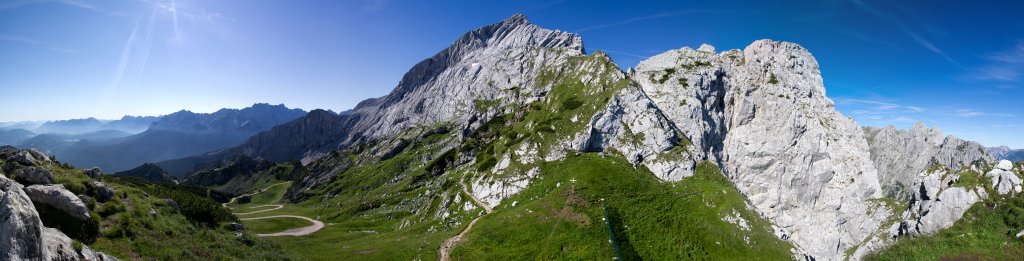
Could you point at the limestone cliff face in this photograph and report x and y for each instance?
(762, 114)
(482, 65)
(900, 155)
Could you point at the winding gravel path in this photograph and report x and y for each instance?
(297, 232)
(444, 253)
(302, 231)
(232, 201)
(274, 207)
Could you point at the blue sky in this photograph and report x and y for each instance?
(957, 66)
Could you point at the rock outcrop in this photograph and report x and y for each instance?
(94, 173)
(900, 155)
(480, 65)
(1004, 180)
(762, 114)
(58, 197)
(20, 226)
(23, 236)
(936, 203)
(59, 247)
(103, 193)
(34, 175)
(29, 157)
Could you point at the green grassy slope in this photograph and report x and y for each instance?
(985, 232)
(126, 229)
(275, 191)
(556, 218)
(273, 225)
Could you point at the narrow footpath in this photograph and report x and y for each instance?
(444, 253)
(302, 231)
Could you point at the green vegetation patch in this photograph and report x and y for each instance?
(986, 232)
(484, 105)
(560, 216)
(125, 228)
(273, 194)
(274, 225)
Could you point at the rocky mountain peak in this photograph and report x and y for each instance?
(900, 155)
(480, 66)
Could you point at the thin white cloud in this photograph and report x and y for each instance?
(626, 54)
(1014, 55)
(122, 64)
(1004, 125)
(147, 43)
(911, 33)
(875, 107)
(931, 47)
(30, 41)
(970, 113)
(638, 19)
(73, 3)
(1004, 66)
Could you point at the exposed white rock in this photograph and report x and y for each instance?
(632, 125)
(737, 220)
(935, 205)
(94, 173)
(103, 193)
(88, 254)
(20, 227)
(492, 190)
(1004, 165)
(901, 155)
(23, 236)
(495, 62)
(29, 157)
(34, 175)
(60, 198)
(1004, 181)
(762, 114)
(58, 247)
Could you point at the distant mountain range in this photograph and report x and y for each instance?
(130, 124)
(307, 137)
(14, 136)
(126, 143)
(148, 171)
(53, 136)
(1006, 153)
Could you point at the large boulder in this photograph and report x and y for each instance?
(103, 193)
(58, 197)
(20, 226)
(94, 173)
(23, 236)
(936, 204)
(7, 151)
(235, 226)
(89, 254)
(29, 157)
(172, 203)
(35, 175)
(1004, 181)
(57, 246)
(1004, 165)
